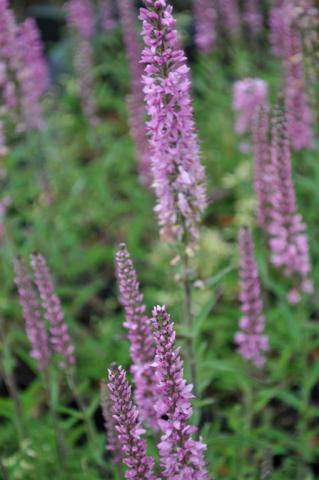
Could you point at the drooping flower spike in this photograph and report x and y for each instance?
(59, 333)
(179, 179)
(128, 427)
(181, 456)
(250, 339)
(35, 327)
(140, 336)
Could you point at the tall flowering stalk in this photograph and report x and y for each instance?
(140, 336)
(299, 115)
(81, 20)
(261, 165)
(33, 75)
(128, 427)
(251, 341)
(249, 95)
(59, 333)
(177, 170)
(181, 456)
(205, 15)
(35, 327)
(136, 98)
(277, 25)
(253, 16)
(113, 443)
(288, 239)
(229, 12)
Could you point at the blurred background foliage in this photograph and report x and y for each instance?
(75, 194)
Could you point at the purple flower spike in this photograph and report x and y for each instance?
(181, 456)
(252, 343)
(252, 16)
(81, 18)
(177, 170)
(205, 14)
(113, 444)
(107, 15)
(277, 25)
(128, 427)
(140, 336)
(60, 339)
(136, 98)
(288, 239)
(261, 166)
(230, 15)
(33, 73)
(35, 327)
(249, 95)
(299, 115)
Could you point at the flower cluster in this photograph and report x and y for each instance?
(107, 15)
(249, 95)
(251, 341)
(277, 25)
(136, 97)
(177, 170)
(181, 456)
(229, 12)
(128, 427)
(35, 327)
(288, 240)
(205, 14)
(59, 334)
(139, 334)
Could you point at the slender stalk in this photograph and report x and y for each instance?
(94, 443)
(188, 321)
(60, 444)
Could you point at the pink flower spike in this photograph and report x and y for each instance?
(35, 327)
(128, 427)
(252, 343)
(140, 336)
(181, 456)
(179, 178)
(205, 15)
(60, 339)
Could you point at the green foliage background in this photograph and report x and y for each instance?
(75, 195)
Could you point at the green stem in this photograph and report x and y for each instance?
(93, 440)
(188, 322)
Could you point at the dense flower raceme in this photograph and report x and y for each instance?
(81, 20)
(140, 336)
(205, 14)
(252, 343)
(59, 334)
(35, 327)
(136, 105)
(253, 16)
(33, 75)
(261, 165)
(128, 427)
(113, 443)
(181, 456)
(229, 12)
(288, 239)
(299, 115)
(177, 170)
(249, 95)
